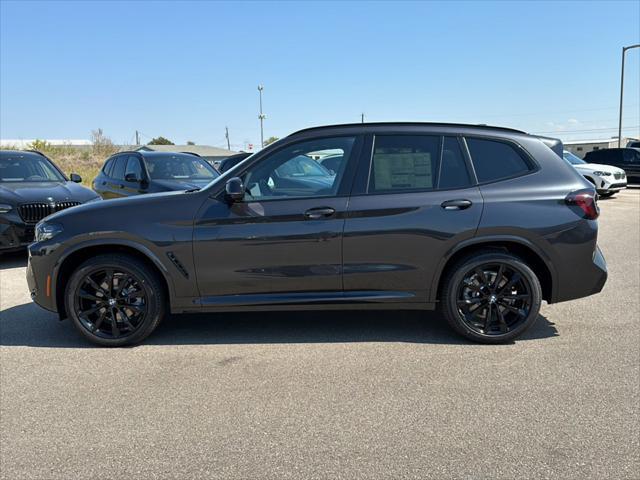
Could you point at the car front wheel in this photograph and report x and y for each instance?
(115, 300)
(491, 297)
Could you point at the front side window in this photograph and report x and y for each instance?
(179, 167)
(630, 156)
(495, 160)
(27, 167)
(294, 172)
(404, 163)
(133, 167)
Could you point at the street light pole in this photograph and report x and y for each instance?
(261, 117)
(624, 50)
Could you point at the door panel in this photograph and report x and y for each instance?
(268, 247)
(396, 241)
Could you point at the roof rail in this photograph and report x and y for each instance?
(417, 124)
(192, 153)
(36, 151)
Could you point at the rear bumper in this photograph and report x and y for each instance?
(583, 280)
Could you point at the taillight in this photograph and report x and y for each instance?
(586, 200)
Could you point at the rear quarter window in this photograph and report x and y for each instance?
(495, 160)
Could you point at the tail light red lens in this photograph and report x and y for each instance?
(586, 200)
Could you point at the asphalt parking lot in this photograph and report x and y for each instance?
(331, 395)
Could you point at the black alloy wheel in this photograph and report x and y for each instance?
(492, 297)
(115, 300)
(110, 303)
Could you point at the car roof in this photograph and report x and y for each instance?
(22, 153)
(373, 126)
(148, 154)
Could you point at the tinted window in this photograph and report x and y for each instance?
(27, 167)
(494, 160)
(117, 171)
(630, 156)
(291, 172)
(179, 167)
(133, 167)
(572, 159)
(108, 166)
(453, 168)
(404, 162)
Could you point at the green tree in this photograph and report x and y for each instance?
(270, 140)
(160, 141)
(189, 142)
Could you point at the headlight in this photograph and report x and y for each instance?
(46, 231)
(5, 208)
(602, 174)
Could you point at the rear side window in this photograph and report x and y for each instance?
(117, 171)
(453, 168)
(404, 162)
(494, 160)
(108, 167)
(630, 156)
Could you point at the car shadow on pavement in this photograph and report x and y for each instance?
(29, 325)
(13, 260)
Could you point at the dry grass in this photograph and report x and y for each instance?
(85, 161)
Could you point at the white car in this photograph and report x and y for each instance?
(608, 180)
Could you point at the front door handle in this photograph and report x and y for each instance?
(317, 213)
(456, 204)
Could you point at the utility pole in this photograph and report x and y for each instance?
(362, 118)
(137, 137)
(226, 135)
(624, 50)
(261, 117)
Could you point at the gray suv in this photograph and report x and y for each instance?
(482, 223)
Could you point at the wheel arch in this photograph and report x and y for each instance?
(539, 262)
(73, 258)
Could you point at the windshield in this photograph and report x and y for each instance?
(572, 159)
(179, 167)
(27, 167)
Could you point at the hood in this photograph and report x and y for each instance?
(186, 184)
(22, 192)
(597, 167)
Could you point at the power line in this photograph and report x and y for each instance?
(588, 130)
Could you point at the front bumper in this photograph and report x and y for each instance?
(40, 275)
(605, 186)
(14, 233)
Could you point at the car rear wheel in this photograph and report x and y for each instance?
(491, 297)
(115, 300)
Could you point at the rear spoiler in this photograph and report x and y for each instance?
(554, 144)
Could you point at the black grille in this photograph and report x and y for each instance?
(618, 176)
(34, 212)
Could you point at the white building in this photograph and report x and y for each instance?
(25, 142)
(581, 147)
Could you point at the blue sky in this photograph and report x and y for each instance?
(185, 70)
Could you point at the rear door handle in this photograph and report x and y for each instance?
(456, 204)
(317, 213)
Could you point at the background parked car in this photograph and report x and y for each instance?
(232, 161)
(627, 159)
(134, 173)
(32, 187)
(633, 143)
(608, 180)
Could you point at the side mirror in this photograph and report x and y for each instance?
(132, 177)
(235, 189)
(74, 177)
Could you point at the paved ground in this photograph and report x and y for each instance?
(336, 395)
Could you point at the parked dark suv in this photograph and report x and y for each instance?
(133, 173)
(32, 187)
(628, 159)
(482, 222)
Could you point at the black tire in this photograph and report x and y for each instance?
(510, 309)
(132, 297)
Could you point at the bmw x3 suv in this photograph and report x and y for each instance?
(608, 180)
(482, 223)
